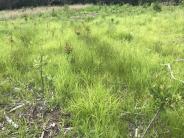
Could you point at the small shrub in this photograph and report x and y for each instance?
(68, 48)
(124, 36)
(127, 36)
(54, 13)
(26, 36)
(164, 93)
(182, 3)
(66, 7)
(39, 64)
(26, 17)
(77, 32)
(19, 59)
(146, 5)
(2, 66)
(156, 7)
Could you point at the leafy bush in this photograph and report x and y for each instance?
(156, 7)
(182, 2)
(4, 4)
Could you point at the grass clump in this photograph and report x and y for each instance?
(100, 111)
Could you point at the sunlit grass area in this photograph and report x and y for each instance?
(101, 71)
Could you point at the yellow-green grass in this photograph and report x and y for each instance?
(103, 65)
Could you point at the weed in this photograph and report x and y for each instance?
(39, 64)
(68, 48)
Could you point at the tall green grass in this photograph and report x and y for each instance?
(102, 64)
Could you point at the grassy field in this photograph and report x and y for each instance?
(98, 72)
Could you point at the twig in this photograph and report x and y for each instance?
(67, 129)
(43, 134)
(171, 73)
(136, 132)
(179, 60)
(10, 121)
(151, 122)
(17, 107)
(41, 73)
(44, 131)
(127, 113)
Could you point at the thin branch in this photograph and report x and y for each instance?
(136, 133)
(41, 73)
(128, 113)
(43, 134)
(10, 121)
(180, 60)
(151, 122)
(171, 73)
(17, 107)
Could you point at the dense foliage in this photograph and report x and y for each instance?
(22, 3)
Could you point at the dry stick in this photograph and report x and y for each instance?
(151, 122)
(10, 121)
(67, 129)
(171, 73)
(43, 134)
(17, 107)
(136, 133)
(41, 73)
(180, 59)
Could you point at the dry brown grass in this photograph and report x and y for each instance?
(10, 14)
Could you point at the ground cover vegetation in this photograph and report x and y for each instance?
(102, 71)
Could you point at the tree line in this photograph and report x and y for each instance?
(11, 4)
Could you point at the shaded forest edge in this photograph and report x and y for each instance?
(13, 4)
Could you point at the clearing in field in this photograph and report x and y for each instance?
(99, 71)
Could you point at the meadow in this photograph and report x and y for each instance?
(95, 72)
